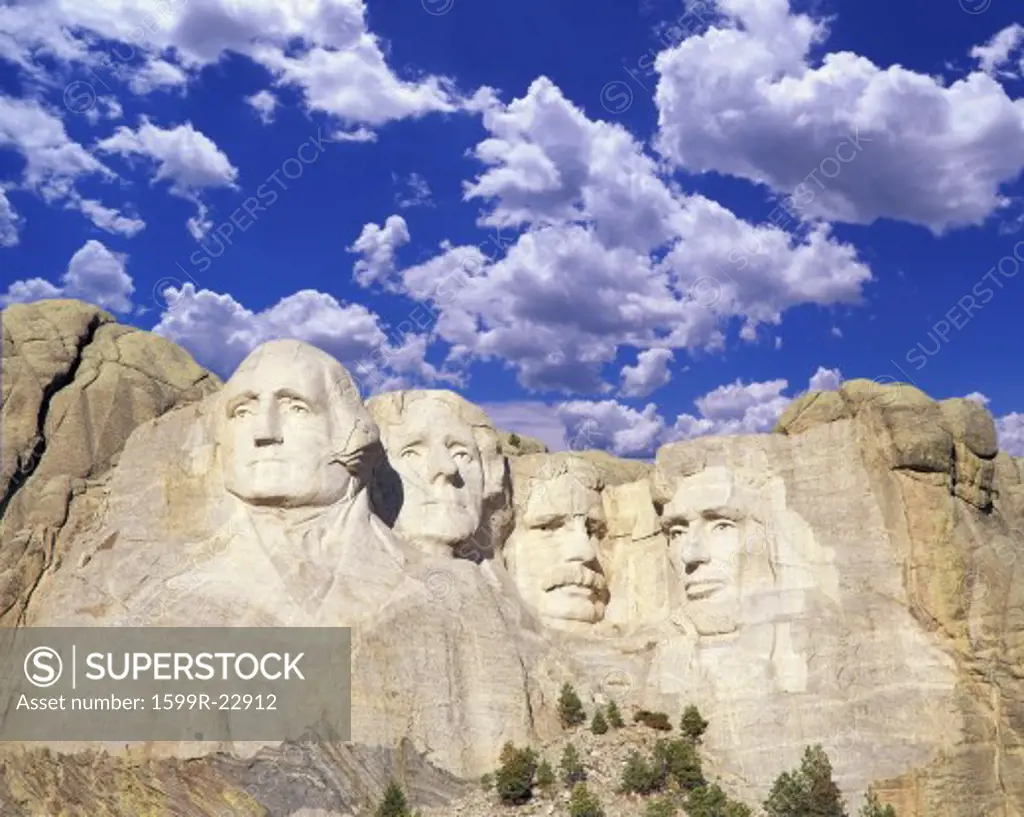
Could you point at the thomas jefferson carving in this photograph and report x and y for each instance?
(443, 487)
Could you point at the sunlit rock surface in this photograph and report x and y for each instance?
(850, 580)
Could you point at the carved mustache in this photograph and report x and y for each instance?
(575, 575)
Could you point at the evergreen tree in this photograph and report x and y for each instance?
(711, 801)
(584, 803)
(545, 775)
(514, 440)
(614, 716)
(641, 777)
(681, 762)
(808, 791)
(487, 781)
(570, 707)
(394, 803)
(693, 725)
(514, 779)
(598, 725)
(572, 767)
(873, 808)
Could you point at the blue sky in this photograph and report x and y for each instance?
(648, 220)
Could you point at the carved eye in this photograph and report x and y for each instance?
(722, 524)
(241, 411)
(677, 529)
(409, 453)
(298, 408)
(462, 455)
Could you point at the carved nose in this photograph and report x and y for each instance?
(576, 543)
(268, 426)
(693, 553)
(441, 463)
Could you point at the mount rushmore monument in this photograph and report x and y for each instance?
(850, 579)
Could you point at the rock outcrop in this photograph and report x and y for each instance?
(850, 580)
(949, 504)
(75, 386)
(292, 779)
(513, 444)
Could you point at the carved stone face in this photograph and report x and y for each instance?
(708, 528)
(552, 553)
(436, 455)
(276, 432)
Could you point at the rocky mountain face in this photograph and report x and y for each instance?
(75, 386)
(850, 579)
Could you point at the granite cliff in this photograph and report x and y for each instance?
(850, 579)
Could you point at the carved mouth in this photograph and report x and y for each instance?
(578, 581)
(576, 590)
(703, 588)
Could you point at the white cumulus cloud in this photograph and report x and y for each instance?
(650, 373)
(597, 251)
(849, 140)
(377, 246)
(183, 156)
(54, 163)
(219, 332)
(94, 274)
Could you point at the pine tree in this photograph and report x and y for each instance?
(711, 801)
(584, 803)
(614, 716)
(693, 725)
(394, 803)
(570, 707)
(545, 775)
(681, 762)
(572, 767)
(598, 725)
(641, 777)
(808, 790)
(873, 808)
(514, 779)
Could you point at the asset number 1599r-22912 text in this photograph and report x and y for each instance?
(223, 701)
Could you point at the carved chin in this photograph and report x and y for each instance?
(567, 607)
(441, 524)
(712, 619)
(285, 482)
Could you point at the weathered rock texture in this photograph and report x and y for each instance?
(949, 511)
(75, 386)
(851, 580)
(292, 779)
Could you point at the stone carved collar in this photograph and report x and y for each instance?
(315, 550)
